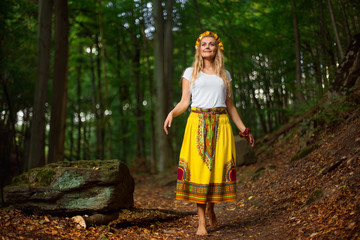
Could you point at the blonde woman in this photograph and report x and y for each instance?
(206, 172)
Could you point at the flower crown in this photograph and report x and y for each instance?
(208, 33)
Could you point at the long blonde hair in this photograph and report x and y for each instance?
(198, 65)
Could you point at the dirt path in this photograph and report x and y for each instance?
(247, 218)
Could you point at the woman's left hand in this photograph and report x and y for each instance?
(251, 139)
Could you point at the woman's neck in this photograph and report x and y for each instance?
(209, 65)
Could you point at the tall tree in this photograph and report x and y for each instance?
(78, 107)
(99, 107)
(162, 52)
(345, 22)
(59, 95)
(336, 32)
(198, 15)
(299, 94)
(37, 142)
(103, 62)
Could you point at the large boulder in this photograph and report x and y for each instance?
(73, 188)
(245, 154)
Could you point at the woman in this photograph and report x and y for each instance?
(206, 172)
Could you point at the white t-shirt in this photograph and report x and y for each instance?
(208, 91)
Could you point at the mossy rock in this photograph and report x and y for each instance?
(73, 187)
(44, 176)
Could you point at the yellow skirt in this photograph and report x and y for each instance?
(207, 171)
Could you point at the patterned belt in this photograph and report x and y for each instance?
(218, 110)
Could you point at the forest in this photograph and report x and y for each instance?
(95, 79)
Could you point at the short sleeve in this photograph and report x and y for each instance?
(229, 76)
(188, 73)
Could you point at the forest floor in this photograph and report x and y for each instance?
(292, 192)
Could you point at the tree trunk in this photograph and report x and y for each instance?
(168, 56)
(152, 120)
(355, 20)
(258, 108)
(37, 136)
(123, 97)
(71, 137)
(317, 71)
(139, 94)
(163, 147)
(25, 140)
(60, 85)
(94, 102)
(146, 48)
(103, 57)
(347, 76)
(10, 124)
(299, 94)
(346, 23)
(198, 15)
(86, 148)
(336, 33)
(78, 107)
(328, 56)
(100, 126)
(324, 57)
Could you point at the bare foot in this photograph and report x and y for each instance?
(212, 218)
(202, 220)
(201, 230)
(211, 213)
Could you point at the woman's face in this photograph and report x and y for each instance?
(208, 47)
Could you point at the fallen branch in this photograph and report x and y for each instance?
(128, 216)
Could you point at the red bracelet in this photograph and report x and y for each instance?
(245, 133)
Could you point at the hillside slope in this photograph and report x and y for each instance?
(308, 177)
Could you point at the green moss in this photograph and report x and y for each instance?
(272, 167)
(20, 179)
(303, 153)
(83, 163)
(258, 173)
(45, 177)
(36, 176)
(315, 195)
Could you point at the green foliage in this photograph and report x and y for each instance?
(18, 52)
(333, 113)
(258, 37)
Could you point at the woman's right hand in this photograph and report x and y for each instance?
(180, 107)
(168, 122)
